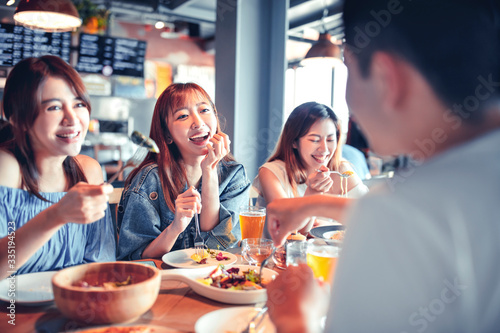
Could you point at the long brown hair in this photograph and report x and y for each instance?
(297, 125)
(22, 105)
(172, 182)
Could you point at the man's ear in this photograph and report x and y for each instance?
(391, 79)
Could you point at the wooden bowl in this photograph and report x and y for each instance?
(99, 305)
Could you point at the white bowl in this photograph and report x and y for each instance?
(190, 276)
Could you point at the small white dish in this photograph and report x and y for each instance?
(182, 259)
(33, 289)
(232, 320)
(190, 276)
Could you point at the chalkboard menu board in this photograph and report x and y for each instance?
(111, 55)
(17, 43)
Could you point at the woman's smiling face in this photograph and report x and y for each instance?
(191, 125)
(316, 148)
(63, 121)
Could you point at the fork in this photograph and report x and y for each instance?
(134, 161)
(346, 174)
(199, 243)
(252, 326)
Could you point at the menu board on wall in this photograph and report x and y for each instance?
(111, 55)
(17, 43)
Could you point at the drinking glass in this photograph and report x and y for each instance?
(252, 220)
(279, 257)
(322, 258)
(296, 253)
(255, 250)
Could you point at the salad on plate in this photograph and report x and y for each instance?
(233, 279)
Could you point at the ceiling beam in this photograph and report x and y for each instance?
(173, 4)
(333, 11)
(294, 3)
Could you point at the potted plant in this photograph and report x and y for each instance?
(94, 18)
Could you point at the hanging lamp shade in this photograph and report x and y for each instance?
(48, 15)
(323, 52)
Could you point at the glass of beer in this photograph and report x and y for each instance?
(322, 257)
(256, 250)
(252, 220)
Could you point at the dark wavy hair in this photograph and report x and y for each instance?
(22, 105)
(453, 43)
(172, 182)
(297, 125)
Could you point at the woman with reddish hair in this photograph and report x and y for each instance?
(194, 173)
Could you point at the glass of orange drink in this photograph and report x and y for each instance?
(252, 220)
(322, 257)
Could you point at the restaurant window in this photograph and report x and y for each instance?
(317, 84)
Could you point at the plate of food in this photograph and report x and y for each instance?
(187, 258)
(333, 232)
(232, 320)
(235, 285)
(33, 289)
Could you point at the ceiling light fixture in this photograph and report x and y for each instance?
(159, 25)
(323, 52)
(48, 15)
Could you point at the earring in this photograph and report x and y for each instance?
(169, 141)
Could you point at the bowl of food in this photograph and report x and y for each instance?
(237, 284)
(106, 293)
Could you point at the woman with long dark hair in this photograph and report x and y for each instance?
(44, 182)
(308, 149)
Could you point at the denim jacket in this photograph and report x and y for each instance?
(143, 212)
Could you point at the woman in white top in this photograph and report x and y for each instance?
(309, 147)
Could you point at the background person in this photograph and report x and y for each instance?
(420, 254)
(194, 166)
(50, 195)
(357, 160)
(309, 146)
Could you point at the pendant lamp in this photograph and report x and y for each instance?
(323, 52)
(48, 15)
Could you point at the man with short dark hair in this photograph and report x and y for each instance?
(420, 253)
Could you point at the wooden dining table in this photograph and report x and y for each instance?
(176, 309)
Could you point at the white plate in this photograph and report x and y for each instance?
(29, 289)
(190, 276)
(182, 259)
(232, 320)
